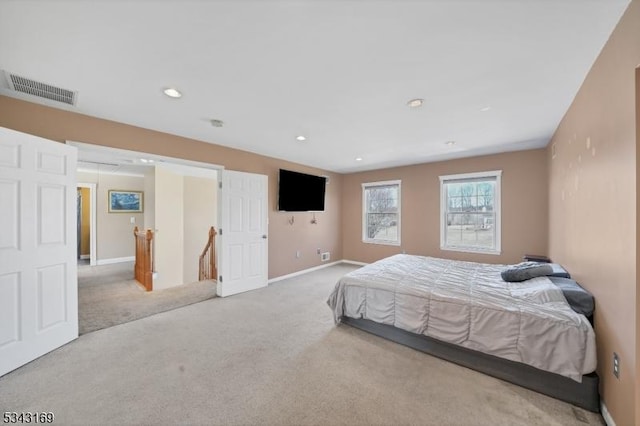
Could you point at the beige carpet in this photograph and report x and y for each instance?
(267, 357)
(108, 295)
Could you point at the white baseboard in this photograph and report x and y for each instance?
(353, 262)
(85, 256)
(606, 415)
(304, 271)
(116, 260)
(315, 268)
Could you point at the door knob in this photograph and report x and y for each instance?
(264, 236)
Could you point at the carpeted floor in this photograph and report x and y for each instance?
(267, 357)
(108, 295)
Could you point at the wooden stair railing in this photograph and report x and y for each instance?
(144, 264)
(207, 267)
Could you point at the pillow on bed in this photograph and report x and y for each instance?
(525, 271)
(579, 299)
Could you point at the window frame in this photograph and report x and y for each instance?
(497, 207)
(369, 185)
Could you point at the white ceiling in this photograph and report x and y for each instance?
(338, 72)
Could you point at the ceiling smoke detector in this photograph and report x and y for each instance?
(217, 123)
(41, 90)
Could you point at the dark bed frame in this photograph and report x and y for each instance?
(584, 395)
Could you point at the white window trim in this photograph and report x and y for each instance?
(497, 174)
(364, 212)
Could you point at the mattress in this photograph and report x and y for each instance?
(468, 304)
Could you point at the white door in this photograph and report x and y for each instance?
(38, 269)
(242, 263)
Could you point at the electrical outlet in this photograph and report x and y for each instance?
(616, 365)
(324, 257)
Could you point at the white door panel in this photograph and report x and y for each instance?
(9, 308)
(243, 252)
(38, 270)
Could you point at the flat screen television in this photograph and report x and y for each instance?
(300, 192)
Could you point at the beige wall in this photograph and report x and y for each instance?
(524, 207)
(169, 236)
(302, 235)
(200, 214)
(592, 206)
(59, 125)
(150, 198)
(114, 231)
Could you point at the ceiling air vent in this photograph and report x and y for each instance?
(42, 90)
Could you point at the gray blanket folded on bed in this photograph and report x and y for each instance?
(525, 271)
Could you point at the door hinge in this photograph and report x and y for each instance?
(220, 278)
(220, 185)
(219, 231)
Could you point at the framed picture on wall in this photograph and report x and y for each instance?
(125, 201)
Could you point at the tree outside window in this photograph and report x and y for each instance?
(470, 212)
(381, 212)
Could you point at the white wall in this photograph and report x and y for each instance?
(114, 231)
(169, 237)
(200, 198)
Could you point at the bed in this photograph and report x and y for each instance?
(523, 332)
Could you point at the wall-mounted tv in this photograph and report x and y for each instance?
(300, 192)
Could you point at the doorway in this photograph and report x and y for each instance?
(86, 213)
(178, 203)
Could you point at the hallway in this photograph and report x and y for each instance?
(108, 295)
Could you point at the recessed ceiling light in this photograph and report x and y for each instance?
(450, 143)
(172, 93)
(485, 109)
(415, 103)
(301, 138)
(145, 160)
(358, 158)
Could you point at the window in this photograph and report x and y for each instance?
(381, 212)
(470, 212)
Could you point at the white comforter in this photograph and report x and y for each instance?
(469, 304)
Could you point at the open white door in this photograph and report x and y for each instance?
(38, 269)
(242, 263)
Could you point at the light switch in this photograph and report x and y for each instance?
(133, 219)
